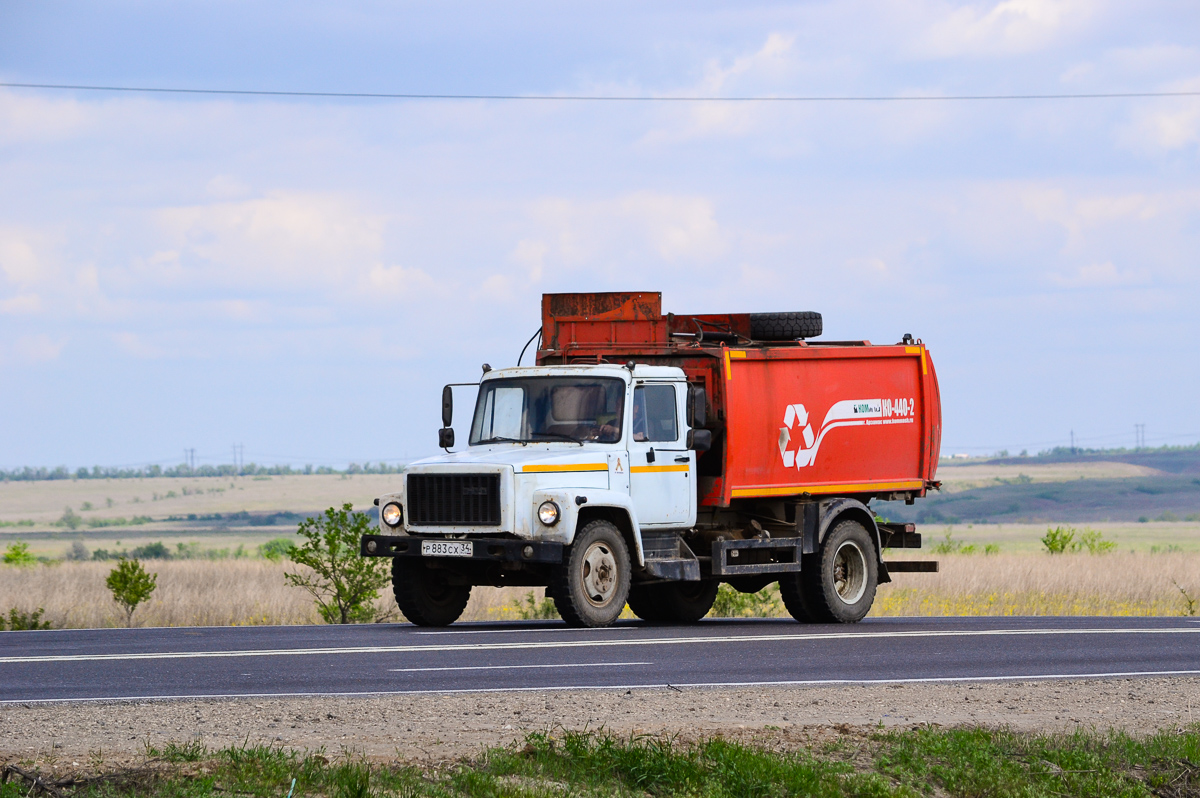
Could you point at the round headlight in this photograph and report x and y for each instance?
(548, 513)
(392, 514)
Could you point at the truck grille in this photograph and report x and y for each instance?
(454, 499)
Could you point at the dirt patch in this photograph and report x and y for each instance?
(447, 726)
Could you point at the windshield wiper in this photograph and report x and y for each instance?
(505, 440)
(558, 436)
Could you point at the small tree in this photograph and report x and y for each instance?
(18, 554)
(344, 584)
(1059, 540)
(130, 586)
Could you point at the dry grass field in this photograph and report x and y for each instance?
(956, 478)
(1120, 583)
(250, 592)
(43, 502)
(1153, 536)
(195, 593)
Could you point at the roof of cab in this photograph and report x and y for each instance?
(640, 371)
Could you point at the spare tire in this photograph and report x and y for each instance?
(785, 326)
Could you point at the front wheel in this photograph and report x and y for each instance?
(591, 587)
(675, 602)
(838, 584)
(425, 596)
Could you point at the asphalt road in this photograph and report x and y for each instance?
(97, 664)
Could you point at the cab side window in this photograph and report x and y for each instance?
(654, 413)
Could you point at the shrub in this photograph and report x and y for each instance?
(78, 551)
(276, 549)
(19, 621)
(130, 586)
(1093, 540)
(343, 584)
(1059, 540)
(18, 554)
(69, 519)
(1189, 603)
(731, 603)
(530, 609)
(151, 551)
(948, 545)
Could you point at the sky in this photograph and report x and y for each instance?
(301, 275)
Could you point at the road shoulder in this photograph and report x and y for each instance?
(438, 727)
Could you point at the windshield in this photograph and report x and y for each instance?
(538, 409)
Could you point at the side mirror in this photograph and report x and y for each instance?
(447, 406)
(446, 437)
(697, 410)
(699, 440)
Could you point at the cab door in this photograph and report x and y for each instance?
(661, 472)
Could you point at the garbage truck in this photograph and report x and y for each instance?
(646, 458)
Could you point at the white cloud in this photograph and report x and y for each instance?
(18, 258)
(752, 73)
(1099, 275)
(284, 242)
(531, 254)
(1164, 125)
(772, 59)
(136, 345)
(21, 304)
(398, 282)
(26, 117)
(33, 348)
(622, 234)
(1006, 28)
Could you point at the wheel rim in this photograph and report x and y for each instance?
(850, 572)
(438, 589)
(599, 574)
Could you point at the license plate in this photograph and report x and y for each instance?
(446, 548)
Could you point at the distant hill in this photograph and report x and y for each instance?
(1173, 460)
(1174, 494)
(1151, 498)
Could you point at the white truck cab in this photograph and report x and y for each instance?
(568, 473)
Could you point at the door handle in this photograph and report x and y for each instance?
(683, 459)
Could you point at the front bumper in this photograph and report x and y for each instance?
(482, 549)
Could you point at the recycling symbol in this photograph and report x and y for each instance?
(796, 417)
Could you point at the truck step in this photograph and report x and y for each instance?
(680, 569)
(911, 566)
(756, 556)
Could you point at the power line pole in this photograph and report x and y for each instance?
(1072, 441)
(1140, 435)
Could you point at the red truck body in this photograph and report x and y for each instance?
(789, 418)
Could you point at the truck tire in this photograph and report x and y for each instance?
(590, 588)
(425, 596)
(673, 602)
(785, 326)
(838, 584)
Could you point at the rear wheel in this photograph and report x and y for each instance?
(676, 602)
(838, 584)
(591, 587)
(425, 595)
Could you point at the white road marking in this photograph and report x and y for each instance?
(600, 687)
(526, 630)
(655, 641)
(516, 667)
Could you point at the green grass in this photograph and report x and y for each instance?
(920, 762)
